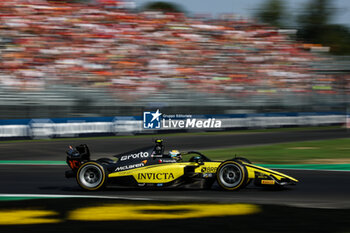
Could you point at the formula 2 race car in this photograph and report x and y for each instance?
(150, 167)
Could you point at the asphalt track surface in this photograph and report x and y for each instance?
(270, 218)
(323, 189)
(319, 203)
(319, 189)
(55, 149)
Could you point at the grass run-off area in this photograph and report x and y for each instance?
(324, 151)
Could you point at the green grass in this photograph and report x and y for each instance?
(288, 153)
(247, 131)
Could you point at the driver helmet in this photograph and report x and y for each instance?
(73, 152)
(175, 154)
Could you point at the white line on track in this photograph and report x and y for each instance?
(304, 204)
(74, 196)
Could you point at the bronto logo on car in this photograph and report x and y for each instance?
(135, 156)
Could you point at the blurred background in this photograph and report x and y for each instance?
(74, 68)
(93, 58)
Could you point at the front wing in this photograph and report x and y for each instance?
(264, 176)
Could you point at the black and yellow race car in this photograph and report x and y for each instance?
(150, 167)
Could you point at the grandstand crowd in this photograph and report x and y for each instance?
(134, 54)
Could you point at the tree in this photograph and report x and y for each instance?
(314, 19)
(163, 6)
(272, 12)
(314, 26)
(337, 37)
(316, 13)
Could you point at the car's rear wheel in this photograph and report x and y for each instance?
(231, 175)
(91, 176)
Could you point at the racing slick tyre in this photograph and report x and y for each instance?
(246, 161)
(91, 176)
(243, 159)
(231, 175)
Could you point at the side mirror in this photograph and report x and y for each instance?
(198, 160)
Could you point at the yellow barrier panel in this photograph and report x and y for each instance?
(160, 212)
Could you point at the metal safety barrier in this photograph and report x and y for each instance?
(75, 127)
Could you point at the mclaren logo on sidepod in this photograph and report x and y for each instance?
(131, 166)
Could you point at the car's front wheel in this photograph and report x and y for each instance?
(91, 176)
(245, 160)
(231, 175)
